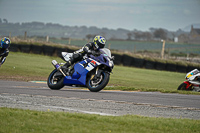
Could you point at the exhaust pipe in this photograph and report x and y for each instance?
(57, 66)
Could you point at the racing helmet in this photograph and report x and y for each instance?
(5, 43)
(99, 42)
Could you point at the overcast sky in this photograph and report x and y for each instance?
(112, 14)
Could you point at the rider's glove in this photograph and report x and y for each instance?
(95, 53)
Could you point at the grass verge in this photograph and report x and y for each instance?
(24, 121)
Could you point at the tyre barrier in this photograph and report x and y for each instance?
(25, 48)
(48, 50)
(127, 60)
(58, 51)
(36, 49)
(181, 68)
(138, 62)
(118, 59)
(190, 68)
(69, 50)
(149, 64)
(14, 48)
(160, 66)
(171, 67)
(124, 59)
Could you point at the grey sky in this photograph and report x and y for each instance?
(112, 14)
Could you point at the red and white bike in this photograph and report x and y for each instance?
(192, 82)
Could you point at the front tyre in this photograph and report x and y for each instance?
(97, 84)
(183, 87)
(55, 80)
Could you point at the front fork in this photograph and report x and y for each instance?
(97, 74)
(188, 84)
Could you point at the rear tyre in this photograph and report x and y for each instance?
(55, 82)
(95, 85)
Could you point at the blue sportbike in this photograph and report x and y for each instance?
(92, 72)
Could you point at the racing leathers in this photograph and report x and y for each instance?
(3, 54)
(78, 55)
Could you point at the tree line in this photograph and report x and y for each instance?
(83, 32)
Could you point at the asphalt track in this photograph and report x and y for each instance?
(37, 96)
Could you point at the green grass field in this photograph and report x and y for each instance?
(146, 80)
(25, 121)
(22, 66)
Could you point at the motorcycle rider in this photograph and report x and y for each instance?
(194, 75)
(4, 45)
(89, 48)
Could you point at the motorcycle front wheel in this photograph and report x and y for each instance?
(183, 87)
(55, 80)
(97, 84)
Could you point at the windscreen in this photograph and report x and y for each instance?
(106, 51)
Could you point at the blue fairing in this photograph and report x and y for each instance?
(100, 59)
(79, 75)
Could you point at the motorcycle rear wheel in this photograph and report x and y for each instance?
(55, 83)
(98, 84)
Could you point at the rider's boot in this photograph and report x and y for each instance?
(65, 67)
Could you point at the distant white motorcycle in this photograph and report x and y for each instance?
(192, 82)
